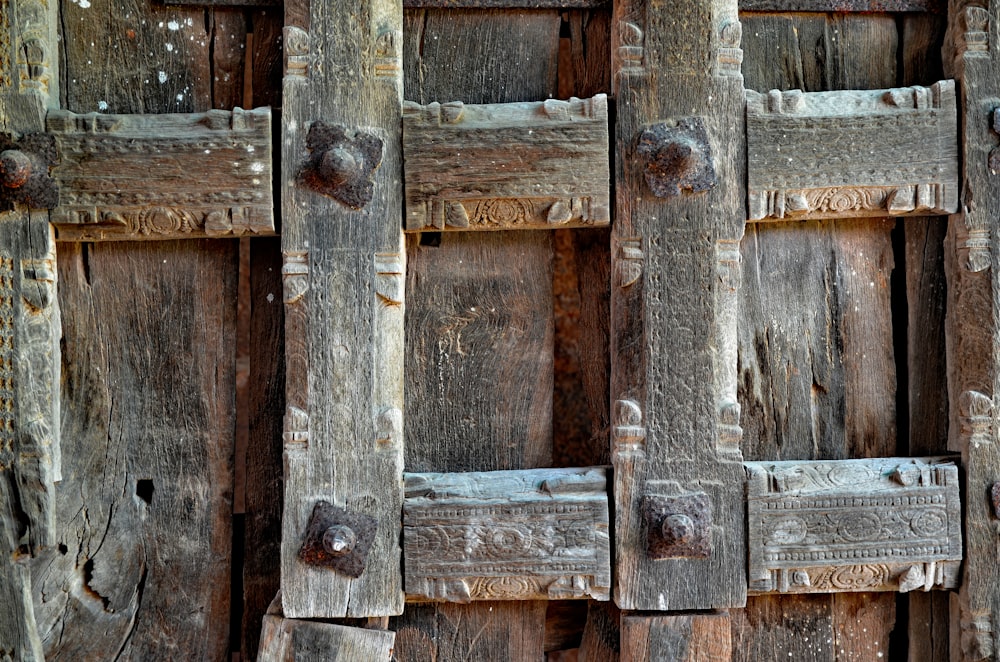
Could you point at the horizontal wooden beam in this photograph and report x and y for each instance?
(507, 166)
(507, 535)
(890, 524)
(852, 153)
(162, 176)
(841, 6)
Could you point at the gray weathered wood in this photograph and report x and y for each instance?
(682, 638)
(343, 274)
(291, 640)
(506, 166)
(852, 153)
(142, 563)
(507, 535)
(162, 176)
(30, 463)
(890, 524)
(973, 334)
(675, 435)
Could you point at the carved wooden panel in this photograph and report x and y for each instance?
(852, 153)
(163, 176)
(507, 535)
(679, 522)
(973, 331)
(344, 266)
(506, 166)
(889, 524)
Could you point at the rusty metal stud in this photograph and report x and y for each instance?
(15, 168)
(677, 156)
(341, 164)
(338, 539)
(678, 526)
(24, 172)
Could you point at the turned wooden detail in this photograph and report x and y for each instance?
(507, 535)
(852, 153)
(506, 166)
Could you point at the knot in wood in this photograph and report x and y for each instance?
(15, 168)
(339, 540)
(677, 156)
(677, 529)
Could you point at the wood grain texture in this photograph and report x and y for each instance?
(343, 292)
(926, 372)
(681, 638)
(844, 6)
(142, 564)
(675, 417)
(852, 153)
(262, 551)
(479, 322)
(507, 535)
(291, 640)
(506, 166)
(817, 375)
(888, 524)
(479, 632)
(973, 334)
(163, 176)
(601, 641)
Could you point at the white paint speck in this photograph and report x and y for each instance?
(257, 167)
(250, 148)
(170, 48)
(174, 25)
(180, 97)
(102, 105)
(270, 298)
(83, 4)
(161, 76)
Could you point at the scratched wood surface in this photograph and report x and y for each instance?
(816, 364)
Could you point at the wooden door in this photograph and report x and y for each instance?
(642, 346)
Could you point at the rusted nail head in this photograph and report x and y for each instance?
(338, 165)
(15, 168)
(677, 529)
(339, 540)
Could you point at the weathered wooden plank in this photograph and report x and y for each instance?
(890, 524)
(142, 564)
(506, 166)
(973, 334)
(810, 155)
(601, 634)
(682, 638)
(480, 321)
(679, 498)
(928, 619)
(478, 632)
(817, 373)
(162, 176)
(505, 4)
(291, 640)
(343, 291)
(262, 550)
(507, 535)
(843, 6)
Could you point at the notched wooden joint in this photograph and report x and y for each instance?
(678, 526)
(338, 539)
(24, 172)
(677, 156)
(341, 164)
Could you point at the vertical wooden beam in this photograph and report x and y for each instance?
(343, 271)
(675, 252)
(681, 638)
(29, 330)
(973, 330)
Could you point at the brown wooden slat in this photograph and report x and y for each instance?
(292, 640)
(681, 638)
